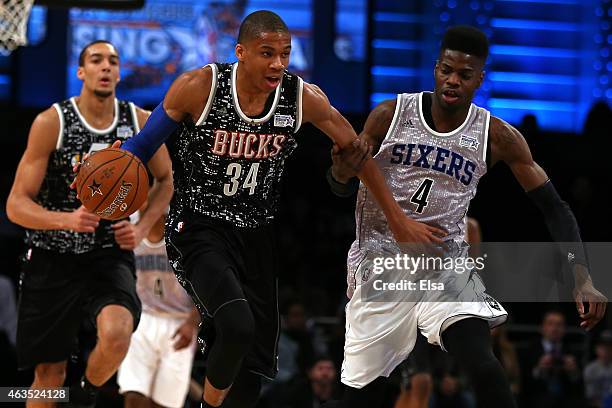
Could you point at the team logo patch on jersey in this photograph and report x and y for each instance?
(409, 124)
(75, 159)
(492, 302)
(283, 120)
(470, 142)
(124, 132)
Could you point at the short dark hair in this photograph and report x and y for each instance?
(466, 39)
(258, 22)
(84, 50)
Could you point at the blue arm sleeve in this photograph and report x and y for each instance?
(156, 131)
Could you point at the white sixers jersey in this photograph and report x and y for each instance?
(157, 287)
(432, 175)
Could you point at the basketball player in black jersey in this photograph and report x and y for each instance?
(232, 128)
(458, 74)
(78, 266)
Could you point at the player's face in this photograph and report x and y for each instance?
(265, 58)
(100, 70)
(457, 77)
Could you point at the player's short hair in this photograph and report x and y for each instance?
(466, 39)
(84, 50)
(259, 22)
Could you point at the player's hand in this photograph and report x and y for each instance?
(349, 161)
(184, 335)
(81, 220)
(597, 303)
(127, 235)
(408, 231)
(77, 166)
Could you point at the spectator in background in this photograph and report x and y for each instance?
(451, 386)
(598, 373)
(597, 121)
(319, 386)
(552, 376)
(298, 343)
(8, 331)
(506, 353)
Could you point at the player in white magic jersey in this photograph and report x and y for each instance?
(433, 148)
(157, 368)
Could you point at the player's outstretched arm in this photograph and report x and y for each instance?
(318, 111)
(508, 145)
(21, 206)
(347, 163)
(186, 98)
(128, 235)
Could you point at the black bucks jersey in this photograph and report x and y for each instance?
(76, 138)
(229, 166)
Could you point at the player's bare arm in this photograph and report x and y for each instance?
(318, 111)
(188, 95)
(128, 235)
(347, 163)
(22, 207)
(185, 99)
(509, 146)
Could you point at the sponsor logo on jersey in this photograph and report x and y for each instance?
(247, 145)
(124, 132)
(470, 142)
(283, 120)
(435, 158)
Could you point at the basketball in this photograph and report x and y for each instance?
(112, 183)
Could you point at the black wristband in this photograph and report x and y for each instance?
(341, 189)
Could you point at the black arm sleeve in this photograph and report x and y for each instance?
(340, 189)
(560, 221)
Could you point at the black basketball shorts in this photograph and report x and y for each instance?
(218, 263)
(57, 291)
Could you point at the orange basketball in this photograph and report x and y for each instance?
(112, 183)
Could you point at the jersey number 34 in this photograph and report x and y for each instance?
(234, 170)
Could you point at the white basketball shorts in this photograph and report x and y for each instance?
(152, 367)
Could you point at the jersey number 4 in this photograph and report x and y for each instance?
(234, 170)
(420, 195)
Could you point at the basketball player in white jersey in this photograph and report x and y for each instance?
(433, 149)
(157, 368)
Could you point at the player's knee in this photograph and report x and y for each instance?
(115, 339)
(421, 385)
(50, 374)
(235, 324)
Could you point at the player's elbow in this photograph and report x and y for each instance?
(12, 208)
